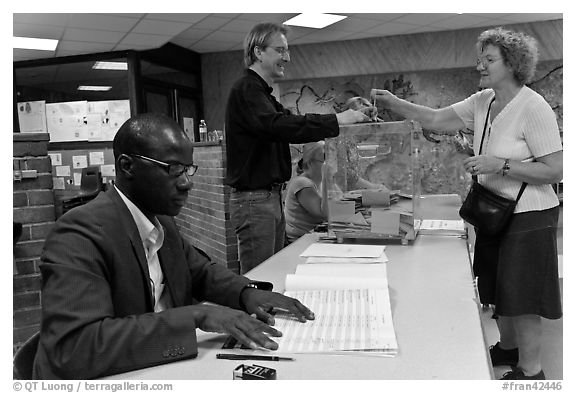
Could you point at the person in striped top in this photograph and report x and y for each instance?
(517, 270)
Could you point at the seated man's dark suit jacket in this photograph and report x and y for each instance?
(97, 309)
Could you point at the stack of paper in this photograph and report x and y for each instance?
(344, 253)
(442, 227)
(352, 308)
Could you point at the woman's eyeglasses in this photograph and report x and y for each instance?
(486, 61)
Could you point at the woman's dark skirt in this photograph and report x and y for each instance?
(518, 270)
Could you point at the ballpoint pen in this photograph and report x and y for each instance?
(231, 356)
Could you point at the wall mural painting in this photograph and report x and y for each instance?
(441, 155)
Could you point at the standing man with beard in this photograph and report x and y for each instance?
(258, 133)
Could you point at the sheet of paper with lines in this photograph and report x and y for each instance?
(358, 320)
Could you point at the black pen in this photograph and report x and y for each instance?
(231, 356)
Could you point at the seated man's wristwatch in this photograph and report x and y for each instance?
(263, 285)
(506, 167)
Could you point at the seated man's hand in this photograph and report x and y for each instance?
(247, 330)
(261, 303)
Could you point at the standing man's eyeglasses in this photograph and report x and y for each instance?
(174, 170)
(281, 50)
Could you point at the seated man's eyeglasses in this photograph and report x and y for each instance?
(174, 170)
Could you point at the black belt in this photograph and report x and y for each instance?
(271, 187)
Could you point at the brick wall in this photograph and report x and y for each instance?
(33, 207)
(205, 220)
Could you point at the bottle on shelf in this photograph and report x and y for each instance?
(203, 128)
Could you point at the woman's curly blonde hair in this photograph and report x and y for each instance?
(519, 51)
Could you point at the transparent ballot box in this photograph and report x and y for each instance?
(374, 182)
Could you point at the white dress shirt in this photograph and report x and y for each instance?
(152, 236)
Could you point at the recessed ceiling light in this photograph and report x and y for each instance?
(314, 20)
(110, 65)
(34, 43)
(95, 88)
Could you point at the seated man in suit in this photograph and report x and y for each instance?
(121, 287)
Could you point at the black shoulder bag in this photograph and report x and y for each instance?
(490, 213)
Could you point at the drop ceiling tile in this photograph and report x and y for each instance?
(212, 22)
(461, 22)
(149, 40)
(84, 47)
(127, 15)
(188, 18)
(225, 36)
(225, 15)
(390, 28)
(362, 35)
(42, 19)
(159, 27)
(132, 46)
(424, 29)
(88, 35)
(354, 24)
(53, 25)
(193, 34)
(37, 31)
(102, 22)
(184, 43)
(532, 17)
(321, 36)
(423, 19)
(25, 54)
(384, 17)
(239, 25)
(206, 46)
(296, 32)
(262, 17)
(490, 15)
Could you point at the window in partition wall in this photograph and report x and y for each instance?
(73, 86)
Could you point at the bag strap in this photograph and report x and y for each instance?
(485, 124)
(475, 177)
(524, 184)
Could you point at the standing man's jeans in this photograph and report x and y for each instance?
(258, 218)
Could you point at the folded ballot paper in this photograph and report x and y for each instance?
(352, 308)
(344, 253)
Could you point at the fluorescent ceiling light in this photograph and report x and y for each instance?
(314, 20)
(34, 43)
(110, 65)
(95, 88)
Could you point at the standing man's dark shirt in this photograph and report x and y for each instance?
(259, 130)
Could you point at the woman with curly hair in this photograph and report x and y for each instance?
(517, 270)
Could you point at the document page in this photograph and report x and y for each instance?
(341, 270)
(346, 320)
(343, 251)
(442, 227)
